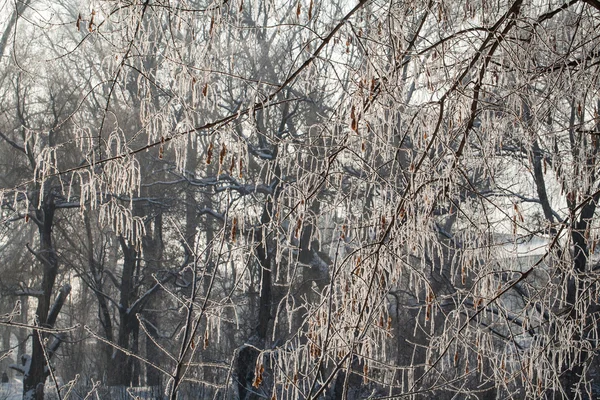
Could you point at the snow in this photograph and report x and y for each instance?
(11, 391)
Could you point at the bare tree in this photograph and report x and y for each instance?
(307, 199)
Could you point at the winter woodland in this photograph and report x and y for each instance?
(300, 199)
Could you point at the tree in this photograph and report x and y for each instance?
(323, 200)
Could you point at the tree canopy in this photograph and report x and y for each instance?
(300, 199)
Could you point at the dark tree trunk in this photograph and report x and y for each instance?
(152, 352)
(120, 370)
(104, 316)
(35, 377)
(153, 254)
(134, 363)
(247, 357)
(572, 376)
(580, 225)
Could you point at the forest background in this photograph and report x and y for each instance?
(300, 199)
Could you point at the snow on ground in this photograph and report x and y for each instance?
(14, 391)
(11, 391)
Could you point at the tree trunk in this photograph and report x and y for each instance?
(120, 372)
(35, 376)
(248, 355)
(153, 254)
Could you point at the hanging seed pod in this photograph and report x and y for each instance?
(232, 166)
(234, 229)
(428, 308)
(258, 375)
(91, 24)
(209, 154)
(516, 207)
(358, 269)
(222, 154)
(298, 227)
(212, 25)
(354, 120)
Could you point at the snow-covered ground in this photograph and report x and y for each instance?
(11, 391)
(14, 391)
